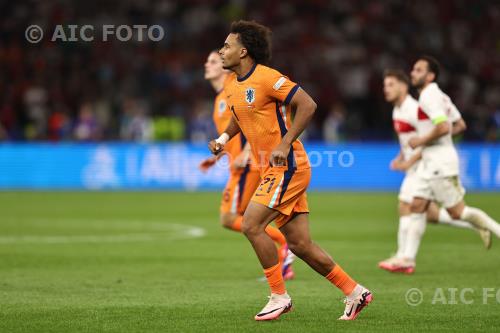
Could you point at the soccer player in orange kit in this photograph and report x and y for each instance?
(244, 176)
(261, 101)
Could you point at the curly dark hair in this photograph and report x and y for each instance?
(432, 64)
(256, 38)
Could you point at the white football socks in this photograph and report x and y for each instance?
(445, 218)
(404, 224)
(412, 228)
(480, 219)
(418, 222)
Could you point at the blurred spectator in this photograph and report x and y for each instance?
(494, 131)
(35, 102)
(59, 125)
(7, 121)
(201, 127)
(136, 125)
(86, 128)
(334, 124)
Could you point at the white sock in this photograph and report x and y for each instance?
(445, 218)
(415, 232)
(480, 219)
(404, 224)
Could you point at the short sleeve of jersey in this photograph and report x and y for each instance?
(433, 105)
(279, 86)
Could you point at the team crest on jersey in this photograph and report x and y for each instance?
(222, 107)
(250, 95)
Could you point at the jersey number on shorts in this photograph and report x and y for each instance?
(269, 180)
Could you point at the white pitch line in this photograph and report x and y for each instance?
(159, 231)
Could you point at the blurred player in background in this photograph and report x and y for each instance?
(405, 117)
(244, 175)
(437, 176)
(261, 100)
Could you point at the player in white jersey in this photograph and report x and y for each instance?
(405, 119)
(438, 171)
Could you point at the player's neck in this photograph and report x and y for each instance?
(244, 67)
(218, 83)
(400, 100)
(424, 86)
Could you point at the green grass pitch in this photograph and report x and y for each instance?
(134, 262)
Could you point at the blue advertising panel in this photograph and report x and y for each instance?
(356, 167)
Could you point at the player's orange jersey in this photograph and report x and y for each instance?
(241, 183)
(221, 116)
(259, 102)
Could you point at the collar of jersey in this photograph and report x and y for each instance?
(247, 75)
(430, 85)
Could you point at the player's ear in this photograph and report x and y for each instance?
(431, 76)
(243, 52)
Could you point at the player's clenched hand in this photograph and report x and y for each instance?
(207, 163)
(398, 165)
(215, 147)
(279, 155)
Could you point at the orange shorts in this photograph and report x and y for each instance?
(239, 190)
(284, 191)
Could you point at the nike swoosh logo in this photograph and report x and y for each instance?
(362, 302)
(266, 313)
(348, 314)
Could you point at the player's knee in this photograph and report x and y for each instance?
(249, 229)
(454, 214)
(227, 220)
(299, 247)
(456, 211)
(418, 206)
(404, 208)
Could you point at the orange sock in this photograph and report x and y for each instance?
(341, 279)
(237, 223)
(275, 279)
(276, 235)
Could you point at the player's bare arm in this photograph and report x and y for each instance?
(305, 108)
(458, 127)
(409, 163)
(439, 130)
(399, 164)
(217, 145)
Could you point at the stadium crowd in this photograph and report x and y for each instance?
(150, 91)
